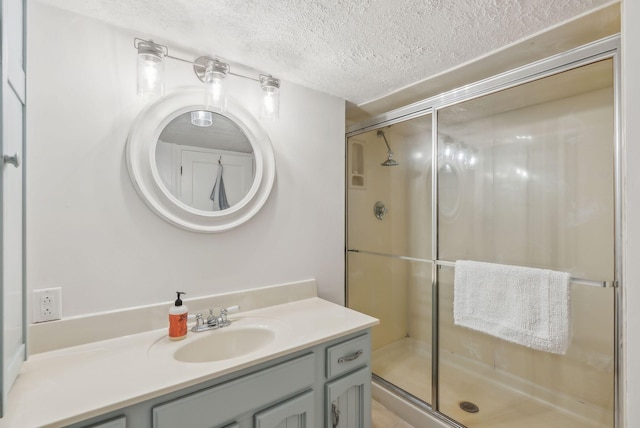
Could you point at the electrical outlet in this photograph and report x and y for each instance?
(47, 304)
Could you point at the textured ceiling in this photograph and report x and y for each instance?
(359, 50)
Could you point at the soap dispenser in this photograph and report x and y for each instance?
(178, 315)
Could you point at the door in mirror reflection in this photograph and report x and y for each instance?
(203, 184)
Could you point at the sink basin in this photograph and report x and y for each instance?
(225, 343)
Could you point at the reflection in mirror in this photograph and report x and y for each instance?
(205, 160)
(448, 190)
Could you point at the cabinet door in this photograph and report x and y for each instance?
(114, 423)
(348, 402)
(217, 406)
(294, 413)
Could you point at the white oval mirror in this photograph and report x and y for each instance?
(197, 167)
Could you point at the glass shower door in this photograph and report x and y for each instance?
(526, 176)
(537, 190)
(389, 259)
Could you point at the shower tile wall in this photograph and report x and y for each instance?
(396, 290)
(379, 284)
(385, 285)
(379, 288)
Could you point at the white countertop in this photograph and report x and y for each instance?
(68, 385)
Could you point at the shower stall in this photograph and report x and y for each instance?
(520, 169)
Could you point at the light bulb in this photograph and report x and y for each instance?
(269, 106)
(449, 150)
(270, 109)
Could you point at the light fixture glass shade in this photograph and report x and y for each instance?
(150, 69)
(214, 76)
(270, 107)
(202, 118)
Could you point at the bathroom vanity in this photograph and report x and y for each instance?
(302, 363)
(314, 387)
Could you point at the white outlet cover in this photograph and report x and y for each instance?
(47, 304)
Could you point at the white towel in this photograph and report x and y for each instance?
(522, 305)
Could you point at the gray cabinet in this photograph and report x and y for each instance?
(348, 402)
(229, 402)
(120, 422)
(348, 390)
(298, 390)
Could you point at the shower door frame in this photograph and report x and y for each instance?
(604, 49)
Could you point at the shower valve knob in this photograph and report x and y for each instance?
(380, 210)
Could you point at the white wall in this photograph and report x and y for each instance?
(631, 137)
(89, 232)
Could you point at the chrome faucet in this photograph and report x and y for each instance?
(213, 321)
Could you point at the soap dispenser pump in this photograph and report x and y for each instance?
(178, 315)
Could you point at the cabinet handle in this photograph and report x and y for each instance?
(13, 160)
(349, 358)
(335, 415)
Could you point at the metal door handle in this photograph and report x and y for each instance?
(335, 415)
(13, 160)
(351, 357)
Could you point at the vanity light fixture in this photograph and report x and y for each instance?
(202, 118)
(211, 71)
(214, 75)
(150, 67)
(270, 108)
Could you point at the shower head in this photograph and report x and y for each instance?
(390, 160)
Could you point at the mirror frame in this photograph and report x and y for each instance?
(143, 170)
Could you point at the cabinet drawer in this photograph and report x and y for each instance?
(223, 403)
(348, 355)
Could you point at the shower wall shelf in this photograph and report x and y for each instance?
(356, 163)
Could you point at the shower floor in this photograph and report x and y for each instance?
(407, 364)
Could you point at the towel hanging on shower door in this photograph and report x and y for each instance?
(519, 304)
(219, 194)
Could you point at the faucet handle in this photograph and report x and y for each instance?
(233, 308)
(223, 315)
(199, 323)
(211, 318)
